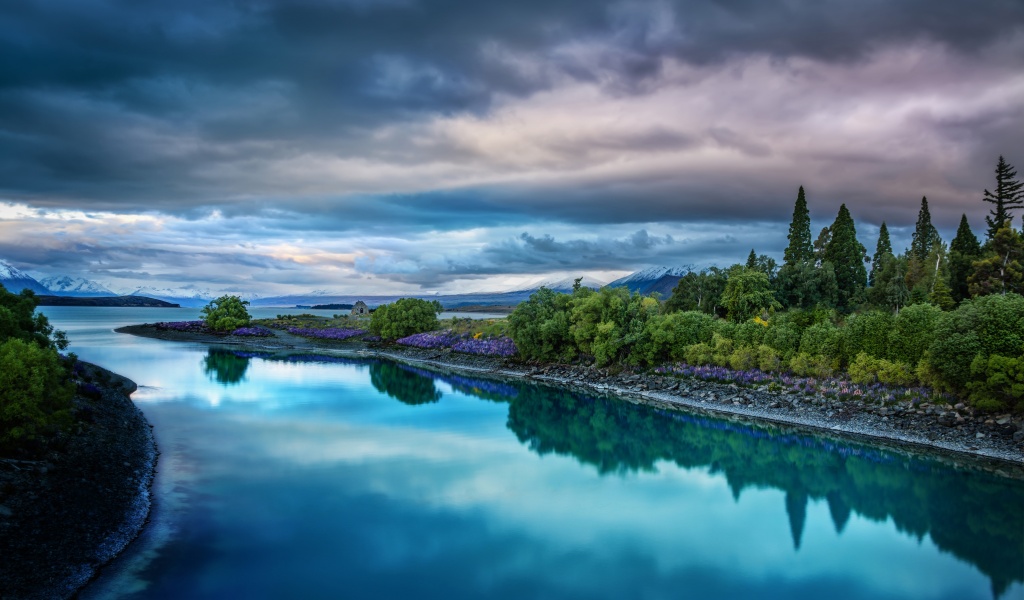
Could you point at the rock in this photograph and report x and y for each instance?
(5, 512)
(979, 435)
(1004, 420)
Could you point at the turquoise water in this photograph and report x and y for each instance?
(286, 479)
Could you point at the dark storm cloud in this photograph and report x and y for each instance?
(142, 105)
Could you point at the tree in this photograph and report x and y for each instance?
(1001, 269)
(698, 291)
(540, 326)
(800, 247)
(882, 249)
(36, 398)
(847, 256)
(1009, 195)
(805, 285)
(19, 320)
(404, 317)
(963, 251)
(226, 313)
(925, 234)
(748, 294)
(751, 259)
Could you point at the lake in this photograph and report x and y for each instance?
(330, 478)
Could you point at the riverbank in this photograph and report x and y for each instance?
(68, 513)
(993, 442)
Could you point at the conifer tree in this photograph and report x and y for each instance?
(847, 256)
(882, 249)
(800, 248)
(1009, 195)
(1001, 268)
(925, 234)
(752, 259)
(963, 251)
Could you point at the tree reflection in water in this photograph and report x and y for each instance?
(225, 366)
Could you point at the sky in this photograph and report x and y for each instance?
(407, 146)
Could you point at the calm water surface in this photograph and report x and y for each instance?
(313, 479)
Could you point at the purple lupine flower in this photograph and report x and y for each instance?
(327, 333)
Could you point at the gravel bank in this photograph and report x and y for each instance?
(994, 442)
(64, 516)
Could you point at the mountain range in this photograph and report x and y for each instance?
(646, 281)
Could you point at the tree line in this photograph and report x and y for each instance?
(949, 316)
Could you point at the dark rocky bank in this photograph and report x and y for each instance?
(68, 512)
(994, 442)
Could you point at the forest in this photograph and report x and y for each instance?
(946, 316)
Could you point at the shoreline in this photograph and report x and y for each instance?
(70, 513)
(958, 434)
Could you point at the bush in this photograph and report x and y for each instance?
(822, 339)
(37, 393)
(699, 354)
(768, 359)
(783, 337)
(404, 317)
(913, 332)
(867, 332)
(540, 327)
(864, 369)
(743, 358)
(997, 382)
(806, 365)
(18, 320)
(722, 348)
(226, 313)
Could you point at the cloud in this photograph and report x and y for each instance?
(295, 123)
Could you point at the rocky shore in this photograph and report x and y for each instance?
(994, 442)
(67, 513)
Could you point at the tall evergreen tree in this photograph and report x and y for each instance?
(800, 247)
(1009, 195)
(882, 249)
(752, 259)
(1001, 268)
(847, 256)
(925, 234)
(963, 251)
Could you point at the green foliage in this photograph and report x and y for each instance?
(743, 358)
(226, 313)
(800, 248)
(698, 291)
(540, 327)
(721, 350)
(768, 358)
(405, 317)
(806, 365)
(997, 382)
(867, 332)
(868, 369)
(1009, 195)
(984, 326)
(607, 323)
(847, 257)
(700, 354)
(1001, 268)
(37, 393)
(19, 321)
(925, 234)
(822, 339)
(747, 294)
(667, 336)
(913, 332)
(783, 337)
(963, 251)
(883, 250)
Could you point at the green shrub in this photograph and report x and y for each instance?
(867, 332)
(404, 317)
(864, 369)
(913, 332)
(700, 354)
(749, 333)
(806, 365)
(226, 313)
(783, 337)
(722, 348)
(997, 382)
(823, 339)
(743, 358)
(895, 372)
(37, 393)
(18, 320)
(768, 359)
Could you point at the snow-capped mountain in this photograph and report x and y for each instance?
(185, 296)
(564, 284)
(654, 279)
(15, 280)
(65, 285)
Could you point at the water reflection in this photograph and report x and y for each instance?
(403, 383)
(225, 367)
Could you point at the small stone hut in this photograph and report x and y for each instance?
(360, 308)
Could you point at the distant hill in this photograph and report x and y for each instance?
(121, 301)
(15, 280)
